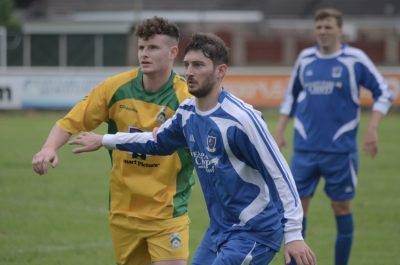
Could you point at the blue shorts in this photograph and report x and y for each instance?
(232, 252)
(338, 170)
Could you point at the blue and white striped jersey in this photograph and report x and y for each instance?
(247, 184)
(324, 96)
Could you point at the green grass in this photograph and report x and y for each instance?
(61, 218)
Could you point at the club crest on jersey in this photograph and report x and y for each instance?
(211, 143)
(309, 73)
(337, 71)
(175, 240)
(161, 115)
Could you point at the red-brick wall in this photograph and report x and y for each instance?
(264, 51)
(374, 49)
(302, 44)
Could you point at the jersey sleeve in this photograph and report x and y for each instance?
(257, 148)
(169, 138)
(371, 79)
(89, 113)
(294, 88)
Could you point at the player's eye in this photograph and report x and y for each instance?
(198, 64)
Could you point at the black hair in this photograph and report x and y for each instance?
(212, 46)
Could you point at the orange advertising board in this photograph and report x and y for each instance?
(269, 90)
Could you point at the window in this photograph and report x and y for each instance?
(115, 50)
(44, 50)
(80, 50)
(14, 48)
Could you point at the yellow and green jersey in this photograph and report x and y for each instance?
(147, 187)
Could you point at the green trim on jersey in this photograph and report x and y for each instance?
(122, 102)
(134, 90)
(184, 182)
(112, 128)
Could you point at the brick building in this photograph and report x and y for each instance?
(271, 32)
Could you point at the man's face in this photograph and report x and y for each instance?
(200, 73)
(328, 34)
(156, 53)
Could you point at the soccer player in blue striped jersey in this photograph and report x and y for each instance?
(248, 187)
(324, 97)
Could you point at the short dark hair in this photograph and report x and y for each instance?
(157, 26)
(212, 46)
(329, 12)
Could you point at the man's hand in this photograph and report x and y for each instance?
(41, 160)
(300, 252)
(88, 141)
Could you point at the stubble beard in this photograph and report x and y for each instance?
(203, 90)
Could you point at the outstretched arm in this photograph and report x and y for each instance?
(163, 141)
(142, 142)
(48, 154)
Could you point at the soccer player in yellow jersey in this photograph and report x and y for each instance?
(148, 194)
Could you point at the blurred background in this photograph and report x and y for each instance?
(270, 32)
(53, 52)
(72, 45)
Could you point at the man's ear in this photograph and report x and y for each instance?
(221, 70)
(174, 51)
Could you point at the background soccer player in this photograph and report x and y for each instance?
(248, 187)
(323, 95)
(149, 195)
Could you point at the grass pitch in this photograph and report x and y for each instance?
(61, 218)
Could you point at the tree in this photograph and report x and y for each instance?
(7, 18)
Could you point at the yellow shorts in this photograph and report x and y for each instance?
(140, 242)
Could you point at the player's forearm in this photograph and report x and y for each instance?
(282, 123)
(56, 138)
(293, 235)
(293, 226)
(110, 141)
(142, 143)
(293, 213)
(375, 120)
